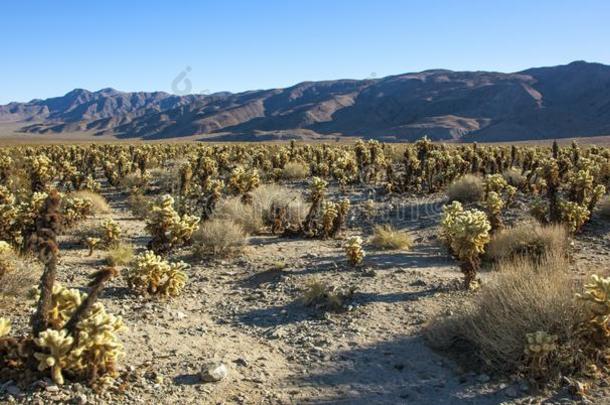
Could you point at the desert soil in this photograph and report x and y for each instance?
(246, 313)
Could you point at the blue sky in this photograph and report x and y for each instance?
(51, 47)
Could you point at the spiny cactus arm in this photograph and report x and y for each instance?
(97, 285)
(40, 319)
(59, 344)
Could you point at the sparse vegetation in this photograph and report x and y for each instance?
(386, 237)
(530, 240)
(468, 189)
(219, 237)
(533, 318)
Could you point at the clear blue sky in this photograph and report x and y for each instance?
(51, 47)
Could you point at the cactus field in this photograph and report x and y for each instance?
(304, 273)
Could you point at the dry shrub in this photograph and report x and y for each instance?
(267, 196)
(22, 274)
(531, 239)
(523, 298)
(295, 171)
(219, 237)
(120, 255)
(514, 177)
(139, 204)
(255, 216)
(386, 237)
(245, 215)
(468, 189)
(604, 209)
(99, 204)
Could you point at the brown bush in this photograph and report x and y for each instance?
(219, 237)
(386, 237)
(295, 171)
(523, 298)
(531, 239)
(468, 189)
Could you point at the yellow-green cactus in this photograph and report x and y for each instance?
(58, 345)
(573, 215)
(317, 188)
(151, 274)
(494, 205)
(167, 228)
(540, 343)
(329, 213)
(95, 348)
(5, 327)
(111, 233)
(597, 295)
(92, 243)
(467, 233)
(353, 250)
(539, 348)
(450, 212)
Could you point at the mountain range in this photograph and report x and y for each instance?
(540, 103)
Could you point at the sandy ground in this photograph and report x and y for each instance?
(246, 313)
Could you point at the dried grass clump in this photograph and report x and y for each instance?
(270, 196)
(245, 215)
(219, 237)
(17, 274)
(529, 239)
(468, 189)
(255, 216)
(99, 205)
(295, 171)
(524, 298)
(140, 205)
(121, 255)
(388, 238)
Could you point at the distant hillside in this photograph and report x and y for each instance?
(539, 103)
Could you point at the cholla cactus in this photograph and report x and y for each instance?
(467, 233)
(5, 327)
(353, 250)
(40, 171)
(92, 243)
(494, 205)
(91, 351)
(75, 209)
(111, 233)
(168, 229)
(317, 189)
(597, 295)
(573, 215)
(243, 182)
(151, 274)
(59, 345)
(329, 214)
(539, 349)
(450, 212)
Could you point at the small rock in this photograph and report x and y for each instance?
(214, 372)
(241, 362)
(52, 388)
